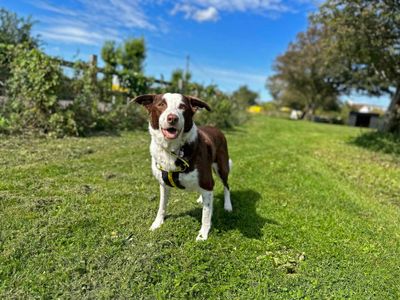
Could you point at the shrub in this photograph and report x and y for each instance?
(31, 91)
(226, 112)
(86, 99)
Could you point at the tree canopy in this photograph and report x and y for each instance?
(362, 47)
(16, 30)
(246, 96)
(301, 78)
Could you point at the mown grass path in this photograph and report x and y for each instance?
(314, 216)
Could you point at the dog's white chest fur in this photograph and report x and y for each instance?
(189, 180)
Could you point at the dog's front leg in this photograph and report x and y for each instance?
(207, 197)
(164, 193)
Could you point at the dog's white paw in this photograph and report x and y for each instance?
(228, 207)
(201, 237)
(200, 200)
(156, 224)
(203, 234)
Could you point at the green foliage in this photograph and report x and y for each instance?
(31, 92)
(109, 56)
(126, 61)
(245, 96)
(379, 141)
(131, 55)
(180, 82)
(15, 30)
(226, 111)
(86, 101)
(302, 76)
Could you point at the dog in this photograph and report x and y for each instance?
(184, 155)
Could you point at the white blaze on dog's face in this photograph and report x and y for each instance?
(171, 120)
(172, 114)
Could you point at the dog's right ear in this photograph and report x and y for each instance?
(145, 100)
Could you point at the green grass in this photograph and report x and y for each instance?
(315, 216)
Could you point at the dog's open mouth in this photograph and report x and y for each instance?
(170, 133)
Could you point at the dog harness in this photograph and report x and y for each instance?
(171, 178)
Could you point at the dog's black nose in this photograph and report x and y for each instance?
(172, 119)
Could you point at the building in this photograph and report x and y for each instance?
(365, 116)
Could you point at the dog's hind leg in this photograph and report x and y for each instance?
(222, 168)
(164, 193)
(206, 216)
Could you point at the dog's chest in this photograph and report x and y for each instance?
(190, 180)
(166, 161)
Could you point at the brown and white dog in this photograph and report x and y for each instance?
(183, 155)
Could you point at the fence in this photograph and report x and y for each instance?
(93, 63)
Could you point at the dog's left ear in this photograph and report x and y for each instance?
(145, 100)
(196, 103)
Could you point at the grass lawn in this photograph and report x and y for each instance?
(315, 216)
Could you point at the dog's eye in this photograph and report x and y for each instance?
(162, 104)
(182, 106)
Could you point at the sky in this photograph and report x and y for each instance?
(229, 43)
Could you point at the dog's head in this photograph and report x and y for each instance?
(172, 114)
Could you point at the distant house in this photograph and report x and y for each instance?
(362, 115)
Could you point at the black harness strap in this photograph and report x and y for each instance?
(171, 179)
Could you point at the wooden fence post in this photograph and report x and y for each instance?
(93, 66)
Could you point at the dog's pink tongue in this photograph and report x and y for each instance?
(170, 135)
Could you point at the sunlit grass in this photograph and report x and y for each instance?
(314, 216)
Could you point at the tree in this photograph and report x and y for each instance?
(362, 44)
(126, 61)
(246, 96)
(131, 55)
(13, 31)
(109, 56)
(302, 79)
(180, 81)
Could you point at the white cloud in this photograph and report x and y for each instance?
(208, 10)
(128, 14)
(244, 5)
(198, 14)
(92, 22)
(49, 7)
(69, 34)
(208, 14)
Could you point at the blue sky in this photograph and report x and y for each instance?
(230, 43)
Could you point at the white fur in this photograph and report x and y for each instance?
(227, 193)
(164, 192)
(173, 102)
(207, 197)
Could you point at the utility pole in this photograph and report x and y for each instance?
(186, 79)
(187, 65)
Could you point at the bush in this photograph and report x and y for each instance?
(31, 91)
(226, 112)
(86, 99)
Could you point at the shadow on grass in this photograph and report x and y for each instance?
(244, 216)
(378, 141)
